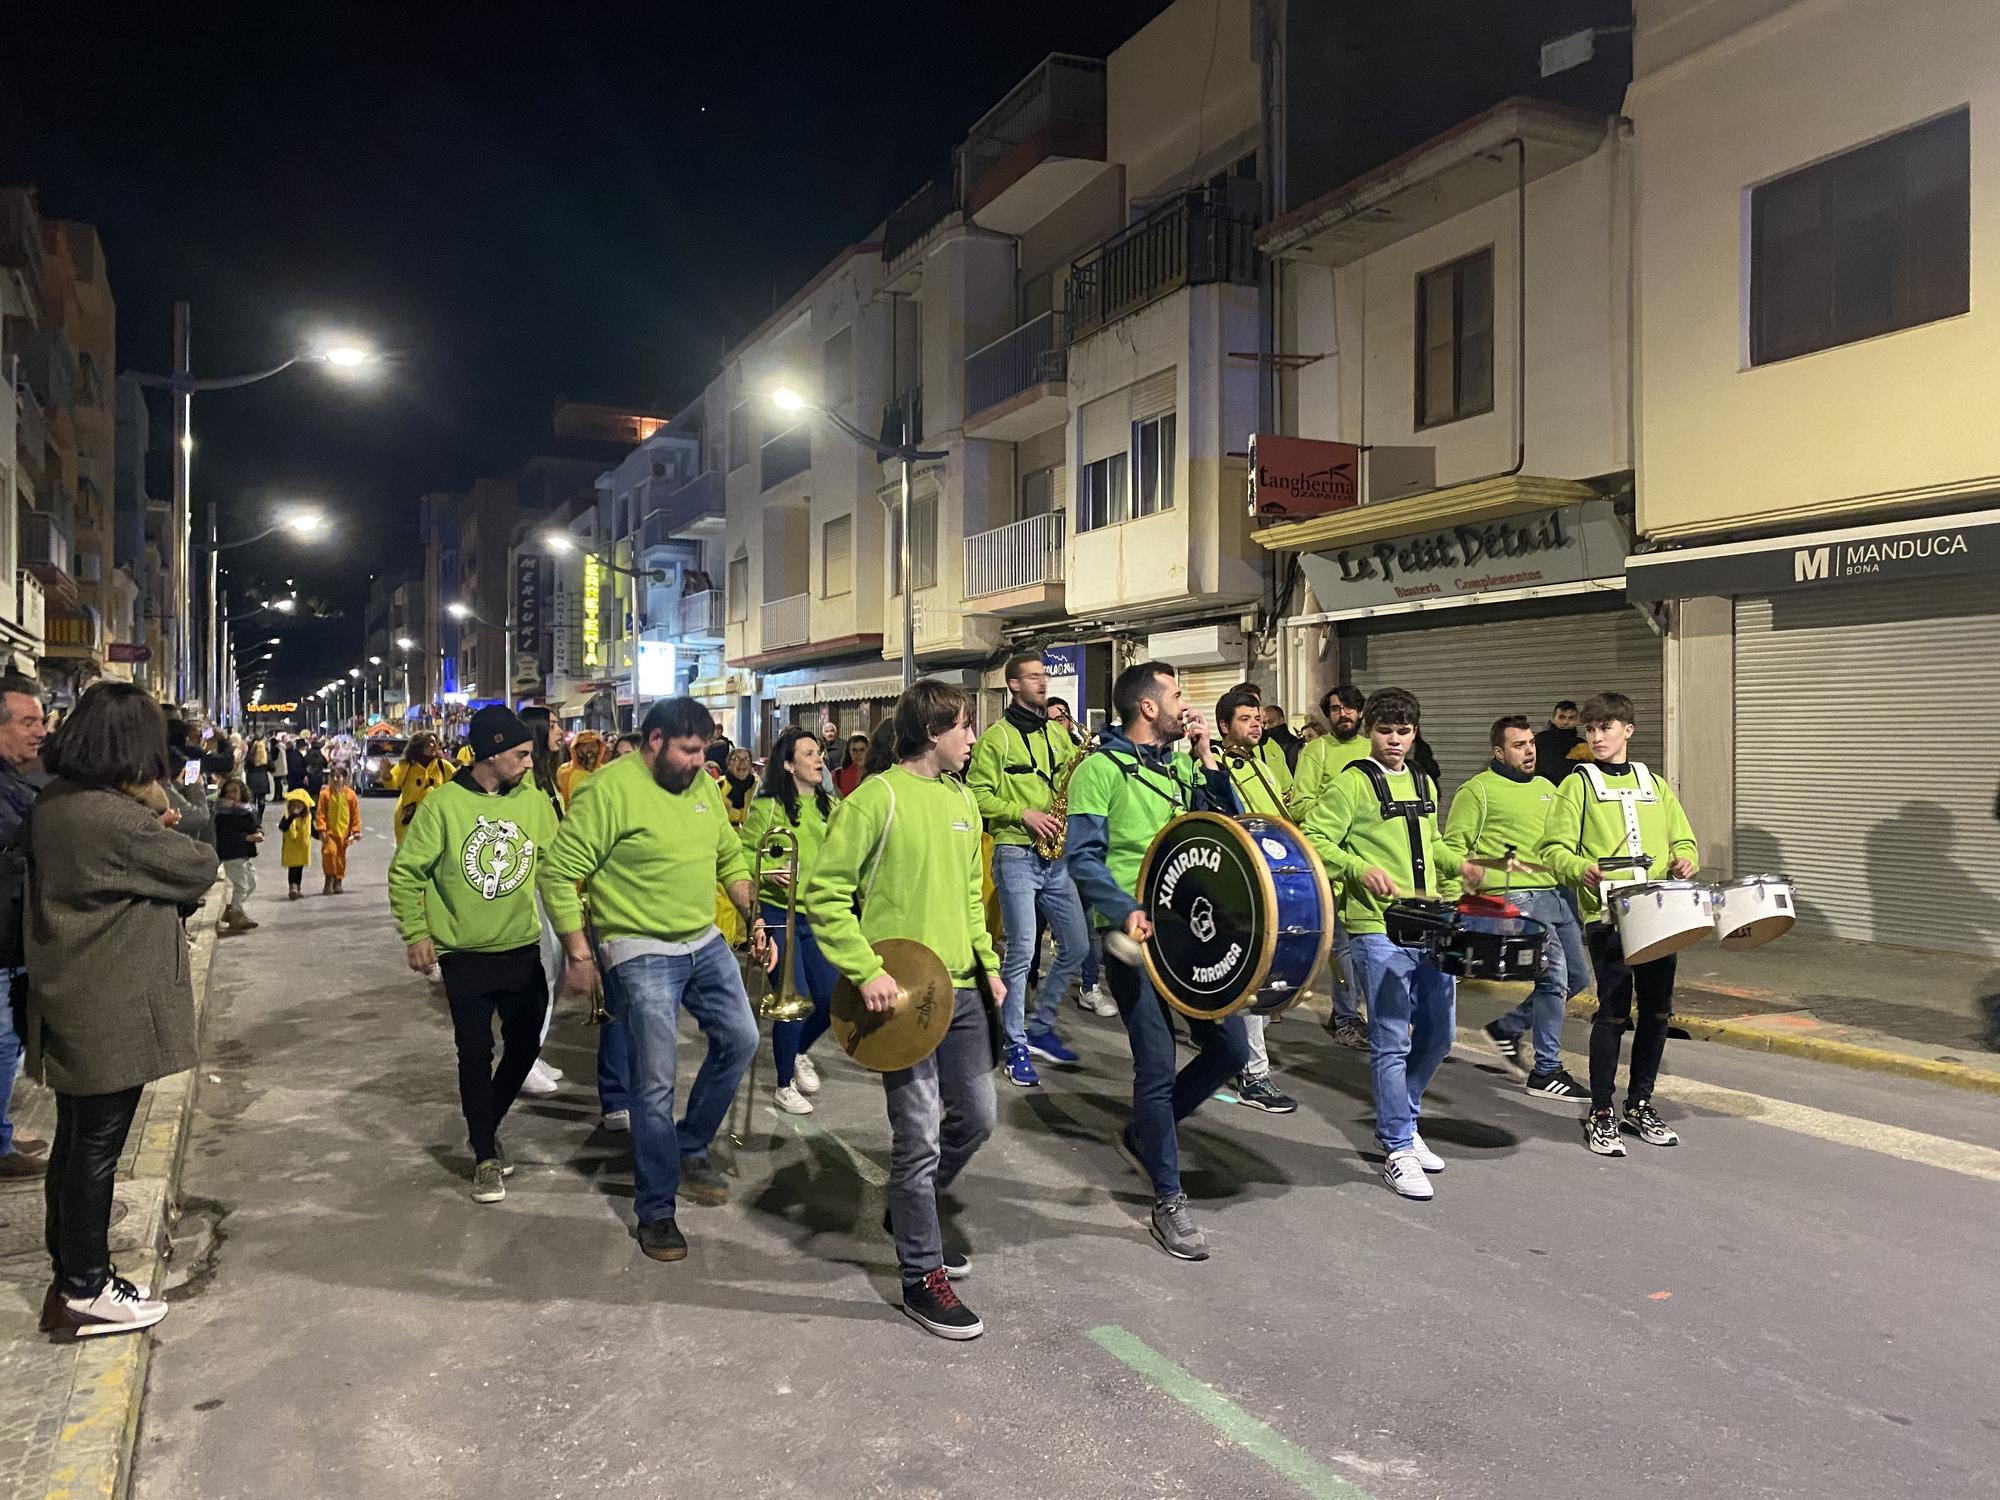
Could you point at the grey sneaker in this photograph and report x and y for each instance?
(1351, 1034)
(486, 1184)
(1600, 1133)
(1175, 1229)
(1404, 1173)
(701, 1183)
(1261, 1093)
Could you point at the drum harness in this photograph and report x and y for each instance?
(1628, 799)
(1412, 812)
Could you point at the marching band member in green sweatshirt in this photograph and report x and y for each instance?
(1240, 720)
(462, 887)
(1320, 762)
(1611, 806)
(1497, 816)
(1376, 829)
(902, 860)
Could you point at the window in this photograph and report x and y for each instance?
(1100, 498)
(1153, 454)
(1874, 240)
(739, 590)
(739, 435)
(836, 568)
(836, 384)
(923, 543)
(1455, 340)
(1038, 492)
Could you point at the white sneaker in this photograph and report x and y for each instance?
(538, 1081)
(1405, 1174)
(617, 1119)
(1428, 1159)
(1097, 1000)
(791, 1101)
(805, 1077)
(549, 1068)
(117, 1308)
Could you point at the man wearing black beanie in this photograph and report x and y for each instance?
(462, 886)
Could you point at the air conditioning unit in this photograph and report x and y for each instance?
(1201, 646)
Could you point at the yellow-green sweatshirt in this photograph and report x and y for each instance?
(464, 874)
(1348, 829)
(1502, 809)
(1012, 772)
(767, 813)
(650, 857)
(1319, 762)
(1582, 829)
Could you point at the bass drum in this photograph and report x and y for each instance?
(1242, 914)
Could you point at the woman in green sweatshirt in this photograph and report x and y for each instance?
(794, 799)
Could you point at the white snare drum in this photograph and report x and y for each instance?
(1659, 917)
(1752, 911)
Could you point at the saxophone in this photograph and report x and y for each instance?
(1051, 848)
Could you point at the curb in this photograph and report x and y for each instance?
(99, 1429)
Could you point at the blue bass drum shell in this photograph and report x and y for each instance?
(1242, 914)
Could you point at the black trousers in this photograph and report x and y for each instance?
(295, 876)
(1618, 985)
(83, 1165)
(480, 986)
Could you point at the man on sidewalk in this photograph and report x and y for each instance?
(463, 890)
(650, 836)
(1497, 815)
(1553, 745)
(1016, 769)
(22, 730)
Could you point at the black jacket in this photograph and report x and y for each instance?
(233, 827)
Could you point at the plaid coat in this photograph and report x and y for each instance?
(109, 1001)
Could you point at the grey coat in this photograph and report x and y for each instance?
(109, 1001)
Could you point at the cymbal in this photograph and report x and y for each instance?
(910, 1030)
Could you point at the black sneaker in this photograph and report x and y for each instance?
(1351, 1034)
(1600, 1133)
(1644, 1121)
(1508, 1048)
(663, 1240)
(701, 1183)
(1556, 1085)
(957, 1264)
(932, 1305)
(1261, 1093)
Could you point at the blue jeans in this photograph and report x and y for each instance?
(1412, 1011)
(1563, 974)
(940, 1112)
(1340, 976)
(10, 1054)
(813, 977)
(1093, 957)
(1025, 882)
(645, 996)
(1161, 1098)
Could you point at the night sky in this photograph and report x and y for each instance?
(512, 202)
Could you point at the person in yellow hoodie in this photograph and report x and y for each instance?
(421, 771)
(295, 848)
(585, 751)
(338, 824)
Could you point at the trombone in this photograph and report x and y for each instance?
(781, 1002)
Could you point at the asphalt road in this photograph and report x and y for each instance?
(1797, 1301)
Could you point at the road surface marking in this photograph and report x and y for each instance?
(810, 1130)
(1231, 1420)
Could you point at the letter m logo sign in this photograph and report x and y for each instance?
(1809, 563)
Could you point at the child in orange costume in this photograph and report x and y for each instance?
(338, 825)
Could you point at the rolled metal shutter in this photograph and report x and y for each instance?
(1866, 765)
(1155, 394)
(1105, 426)
(1202, 686)
(1467, 675)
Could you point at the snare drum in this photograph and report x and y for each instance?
(1658, 917)
(1752, 911)
(1468, 945)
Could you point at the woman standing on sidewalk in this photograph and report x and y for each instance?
(111, 1007)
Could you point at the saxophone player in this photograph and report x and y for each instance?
(1018, 766)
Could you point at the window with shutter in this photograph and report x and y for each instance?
(1455, 340)
(923, 540)
(836, 573)
(739, 590)
(837, 369)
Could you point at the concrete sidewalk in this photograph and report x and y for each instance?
(70, 1411)
(1862, 1005)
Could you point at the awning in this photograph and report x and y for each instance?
(1937, 547)
(1455, 505)
(854, 690)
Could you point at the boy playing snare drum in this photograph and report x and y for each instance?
(1610, 808)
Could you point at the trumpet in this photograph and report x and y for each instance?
(782, 1001)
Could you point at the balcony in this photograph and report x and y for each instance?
(45, 552)
(1015, 387)
(1191, 241)
(31, 432)
(1036, 147)
(690, 513)
(785, 456)
(911, 225)
(1017, 569)
(698, 617)
(787, 622)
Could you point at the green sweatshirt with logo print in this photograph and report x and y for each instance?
(464, 874)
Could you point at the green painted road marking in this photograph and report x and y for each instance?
(865, 1169)
(1231, 1420)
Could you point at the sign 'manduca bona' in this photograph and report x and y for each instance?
(1563, 545)
(1943, 548)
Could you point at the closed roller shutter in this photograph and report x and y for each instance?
(1865, 762)
(1202, 686)
(1466, 676)
(1106, 423)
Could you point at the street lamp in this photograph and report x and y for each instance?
(562, 541)
(405, 646)
(344, 357)
(282, 606)
(303, 524)
(906, 453)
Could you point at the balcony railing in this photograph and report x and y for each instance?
(785, 455)
(1022, 555)
(1191, 241)
(683, 508)
(787, 622)
(912, 223)
(45, 543)
(699, 614)
(1057, 110)
(32, 435)
(1031, 355)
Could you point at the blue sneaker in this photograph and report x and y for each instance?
(1049, 1047)
(1020, 1071)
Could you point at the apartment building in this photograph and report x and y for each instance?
(142, 539)
(23, 429)
(1819, 468)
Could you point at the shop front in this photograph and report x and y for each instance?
(1836, 691)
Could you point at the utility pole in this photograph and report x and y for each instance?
(183, 401)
